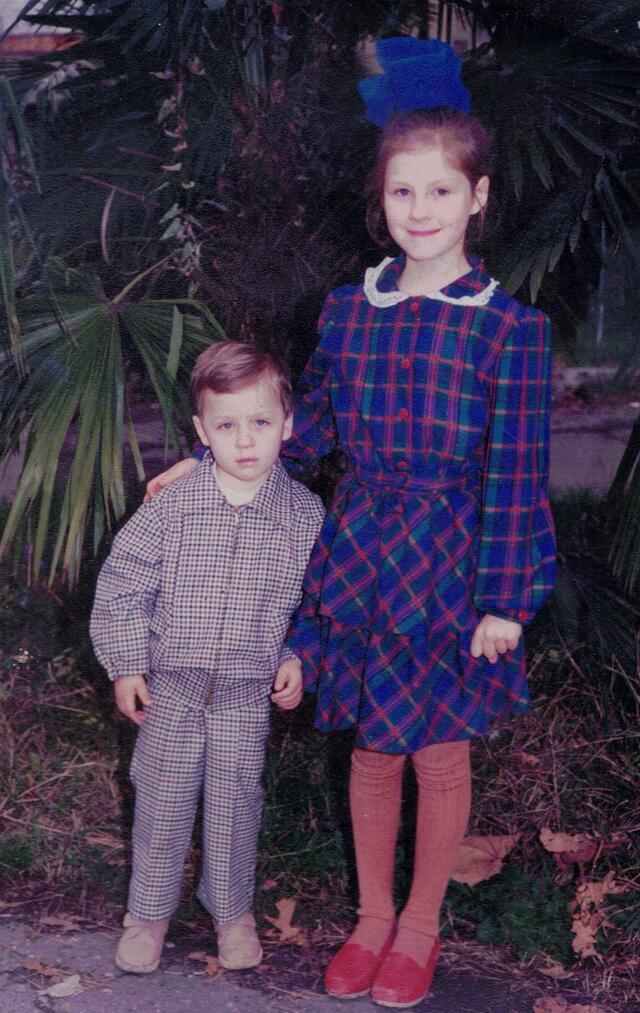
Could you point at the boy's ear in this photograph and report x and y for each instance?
(288, 427)
(202, 436)
(480, 195)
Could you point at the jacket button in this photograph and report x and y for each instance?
(403, 414)
(401, 466)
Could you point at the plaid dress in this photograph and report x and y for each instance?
(441, 409)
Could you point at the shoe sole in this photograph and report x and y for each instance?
(347, 995)
(400, 1005)
(244, 966)
(137, 969)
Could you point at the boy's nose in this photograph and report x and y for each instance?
(245, 437)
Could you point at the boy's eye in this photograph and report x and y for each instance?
(225, 425)
(262, 422)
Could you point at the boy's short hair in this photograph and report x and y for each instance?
(230, 365)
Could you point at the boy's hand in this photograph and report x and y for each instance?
(128, 690)
(494, 636)
(179, 470)
(287, 687)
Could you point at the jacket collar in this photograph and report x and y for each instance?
(272, 500)
(472, 289)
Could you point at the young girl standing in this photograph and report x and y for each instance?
(434, 383)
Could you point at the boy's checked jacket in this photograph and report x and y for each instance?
(193, 584)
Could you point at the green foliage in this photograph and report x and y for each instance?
(76, 391)
(527, 912)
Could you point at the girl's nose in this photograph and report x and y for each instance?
(419, 209)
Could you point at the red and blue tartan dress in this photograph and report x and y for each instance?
(441, 408)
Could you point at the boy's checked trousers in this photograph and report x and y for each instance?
(181, 752)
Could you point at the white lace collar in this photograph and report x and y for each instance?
(384, 299)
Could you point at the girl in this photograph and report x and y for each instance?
(434, 383)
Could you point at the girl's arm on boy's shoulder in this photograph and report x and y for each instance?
(314, 429)
(516, 561)
(125, 596)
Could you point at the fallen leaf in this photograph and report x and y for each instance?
(288, 933)
(269, 884)
(480, 858)
(558, 842)
(555, 971)
(64, 923)
(551, 1004)
(529, 759)
(212, 964)
(589, 913)
(105, 840)
(39, 968)
(70, 986)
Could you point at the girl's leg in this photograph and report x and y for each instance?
(443, 773)
(375, 793)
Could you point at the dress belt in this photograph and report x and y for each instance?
(390, 481)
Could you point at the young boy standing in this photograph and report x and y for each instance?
(190, 618)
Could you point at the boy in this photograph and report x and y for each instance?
(190, 617)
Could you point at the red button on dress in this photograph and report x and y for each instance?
(403, 414)
(401, 466)
(405, 363)
(414, 306)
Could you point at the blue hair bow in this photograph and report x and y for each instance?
(418, 74)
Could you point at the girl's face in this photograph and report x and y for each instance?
(427, 204)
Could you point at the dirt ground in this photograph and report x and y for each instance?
(288, 982)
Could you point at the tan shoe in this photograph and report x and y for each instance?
(238, 943)
(140, 945)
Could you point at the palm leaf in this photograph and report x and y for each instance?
(77, 401)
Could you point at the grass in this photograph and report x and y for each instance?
(572, 764)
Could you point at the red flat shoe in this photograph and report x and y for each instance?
(400, 982)
(352, 970)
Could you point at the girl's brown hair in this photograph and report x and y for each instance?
(229, 366)
(464, 140)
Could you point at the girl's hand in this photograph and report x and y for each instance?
(494, 636)
(179, 470)
(287, 687)
(128, 690)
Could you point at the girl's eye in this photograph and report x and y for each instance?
(441, 191)
(401, 191)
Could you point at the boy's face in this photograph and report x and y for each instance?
(244, 430)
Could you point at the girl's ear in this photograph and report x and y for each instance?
(480, 195)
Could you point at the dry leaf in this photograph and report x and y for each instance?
(550, 1004)
(70, 986)
(589, 914)
(64, 923)
(104, 840)
(212, 965)
(558, 842)
(480, 858)
(269, 884)
(529, 759)
(288, 933)
(555, 971)
(39, 968)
